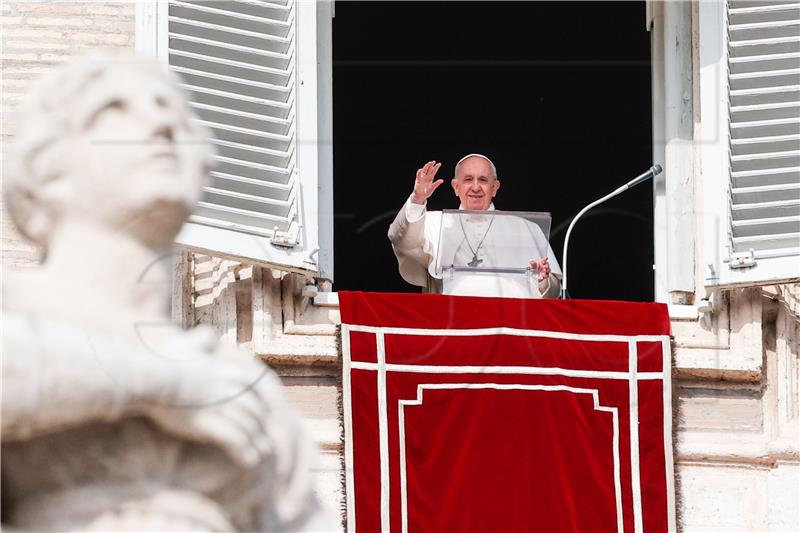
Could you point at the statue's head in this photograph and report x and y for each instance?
(107, 141)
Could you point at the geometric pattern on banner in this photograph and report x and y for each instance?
(489, 414)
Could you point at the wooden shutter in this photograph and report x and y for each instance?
(258, 76)
(763, 89)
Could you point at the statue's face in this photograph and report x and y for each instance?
(137, 162)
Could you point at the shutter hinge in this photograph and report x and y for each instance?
(742, 259)
(286, 239)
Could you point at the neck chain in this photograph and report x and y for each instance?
(475, 261)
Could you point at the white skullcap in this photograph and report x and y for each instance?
(473, 155)
(494, 170)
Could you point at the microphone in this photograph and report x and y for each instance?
(652, 172)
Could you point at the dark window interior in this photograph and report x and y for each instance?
(556, 93)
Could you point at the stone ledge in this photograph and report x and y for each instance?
(717, 364)
(744, 450)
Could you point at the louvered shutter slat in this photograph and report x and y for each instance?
(767, 243)
(252, 203)
(264, 173)
(237, 102)
(249, 70)
(230, 14)
(266, 123)
(763, 145)
(766, 193)
(764, 115)
(220, 46)
(233, 88)
(255, 156)
(248, 128)
(254, 198)
(248, 150)
(238, 226)
(778, 110)
(270, 189)
(752, 178)
(233, 215)
(236, 36)
(271, 171)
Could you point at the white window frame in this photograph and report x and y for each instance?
(715, 168)
(314, 160)
(674, 227)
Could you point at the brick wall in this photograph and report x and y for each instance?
(35, 36)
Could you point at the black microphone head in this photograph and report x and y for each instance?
(656, 170)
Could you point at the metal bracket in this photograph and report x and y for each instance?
(742, 259)
(286, 239)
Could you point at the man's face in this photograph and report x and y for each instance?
(475, 184)
(136, 156)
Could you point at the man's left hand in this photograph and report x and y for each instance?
(542, 266)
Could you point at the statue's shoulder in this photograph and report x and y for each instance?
(24, 290)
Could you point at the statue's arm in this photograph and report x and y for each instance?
(56, 376)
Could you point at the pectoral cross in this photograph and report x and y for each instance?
(475, 261)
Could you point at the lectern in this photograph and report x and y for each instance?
(488, 253)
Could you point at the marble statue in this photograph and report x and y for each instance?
(113, 419)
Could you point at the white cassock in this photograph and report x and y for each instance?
(483, 241)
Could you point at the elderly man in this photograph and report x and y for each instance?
(414, 234)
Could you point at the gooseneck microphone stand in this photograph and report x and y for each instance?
(651, 173)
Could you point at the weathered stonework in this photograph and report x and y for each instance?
(738, 453)
(265, 312)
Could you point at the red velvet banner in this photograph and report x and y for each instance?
(489, 414)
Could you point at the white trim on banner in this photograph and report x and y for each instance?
(633, 410)
(532, 370)
(475, 332)
(383, 433)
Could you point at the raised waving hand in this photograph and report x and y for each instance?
(424, 184)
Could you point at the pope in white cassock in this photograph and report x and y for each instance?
(425, 242)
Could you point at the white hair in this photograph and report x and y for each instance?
(494, 170)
